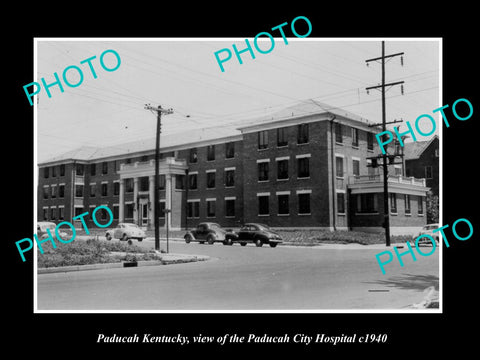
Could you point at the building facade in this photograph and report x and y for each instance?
(306, 167)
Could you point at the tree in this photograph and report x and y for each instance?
(432, 208)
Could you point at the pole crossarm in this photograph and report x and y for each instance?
(384, 57)
(385, 85)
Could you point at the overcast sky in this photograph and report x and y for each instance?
(184, 75)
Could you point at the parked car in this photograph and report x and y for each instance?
(42, 227)
(125, 232)
(428, 229)
(257, 233)
(207, 231)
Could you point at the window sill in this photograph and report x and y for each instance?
(303, 178)
(355, 147)
(305, 214)
(406, 214)
(262, 149)
(283, 214)
(263, 215)
(305, 143)
(230, 217)
(263, 181)
(420, 214)
(393, 213)
(367, 213)
(211, 217)
(282, 146)
(283, 179)
(229, 187)
(341, 213)
(211, 188)
(338, 143)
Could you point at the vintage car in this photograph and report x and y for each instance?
(207, 231)
(125, 232)
(257, 233)
(427, 229)
(42, 227)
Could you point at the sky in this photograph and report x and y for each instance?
(183, 74)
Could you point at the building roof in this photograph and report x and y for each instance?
(413, 150)
(197, 137)
(303, 109)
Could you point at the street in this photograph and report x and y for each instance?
(246, 278)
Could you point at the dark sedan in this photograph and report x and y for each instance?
(209, 232)
(257, 233)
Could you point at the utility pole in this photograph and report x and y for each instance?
(386, 210)
(156, 207)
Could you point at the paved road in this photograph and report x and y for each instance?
(246, 278)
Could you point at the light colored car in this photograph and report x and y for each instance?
(428, 229)
(125, 232)
(42, 227)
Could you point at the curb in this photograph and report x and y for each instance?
(175, 259)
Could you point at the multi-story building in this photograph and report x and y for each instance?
(304, 167)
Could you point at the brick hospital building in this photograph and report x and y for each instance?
(303, 167)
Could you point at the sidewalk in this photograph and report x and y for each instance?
(166, 259)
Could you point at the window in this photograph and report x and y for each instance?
(369, 141)
(303, 167)
(263, 171)
(407, 204)
(393, 203)
(46, 172)
(356, 167)
(193, 158)
(105, 167)
(93, 169)
(397, 170)
(161, 182)
(192, 181)
(338, 133)
(354, 137)
(54, 191)
(283, 204)
(78, 211)
(210, 152)
(79, 169)
(129, 185)
(282, 169)
(116, 188)
(45, 213)
(179, 182)
(229, 178)
(229, 150)
(62, 170)
(116, 212)
(78, 190)
(210, 208)
(304, 203)
(144, 158)
(54, 171)
(428, 172)
(230, 207)
(281, 137)
(129, 211)
(262, 139)
(93, 189)
(302, 134)
(162, 210)
(61, 213)
(340, 203)
(45, 192)
(420, 205)
(366, 203)
(144, 183)
(104, 189)
(339, 166)
(263, 205)
(53, 213)
(61, 191)
(193, 209)
(210, 180)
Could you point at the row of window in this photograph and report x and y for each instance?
(282, 164)
(407, 203)
(368, 203)
(229, 152)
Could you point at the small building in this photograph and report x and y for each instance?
(306, 166)
(422, 161)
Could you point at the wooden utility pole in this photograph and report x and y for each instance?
(156, 207)
(386, 210)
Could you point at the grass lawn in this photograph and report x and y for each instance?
(90, 252)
